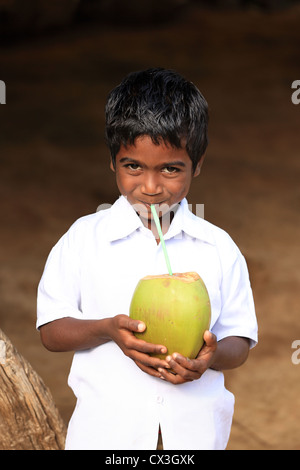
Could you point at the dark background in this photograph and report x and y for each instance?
(59, 60)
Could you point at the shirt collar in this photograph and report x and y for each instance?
(124, 221)
(185, 221)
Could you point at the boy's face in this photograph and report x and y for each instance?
(153, 174)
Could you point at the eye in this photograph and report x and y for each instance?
(132, 166)
(171, 170)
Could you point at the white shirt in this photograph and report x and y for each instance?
(91, 273)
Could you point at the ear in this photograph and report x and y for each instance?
(199, 166)
(112, 166)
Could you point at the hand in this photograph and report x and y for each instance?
(187, 370)
(122, 333)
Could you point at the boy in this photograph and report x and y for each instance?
(156, 129)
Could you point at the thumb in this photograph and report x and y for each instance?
(209, 338)
(136, 325)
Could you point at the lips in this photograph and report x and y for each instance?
(148, 204)
(144, 208)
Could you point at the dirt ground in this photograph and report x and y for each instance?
(55, 168)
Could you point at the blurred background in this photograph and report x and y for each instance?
(59, 60)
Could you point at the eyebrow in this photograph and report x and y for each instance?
(137, 162)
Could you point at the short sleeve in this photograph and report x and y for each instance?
(59, 288)
(237, 316)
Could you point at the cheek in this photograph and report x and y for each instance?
(179, 187)
(124, 182)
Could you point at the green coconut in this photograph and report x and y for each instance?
(176, 310)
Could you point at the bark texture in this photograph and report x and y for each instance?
(29, 419)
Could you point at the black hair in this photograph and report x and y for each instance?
(161, 104)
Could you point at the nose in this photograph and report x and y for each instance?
(151, 185)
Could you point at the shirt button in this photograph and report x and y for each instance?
(159, 399)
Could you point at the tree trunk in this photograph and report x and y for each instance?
(29, 419)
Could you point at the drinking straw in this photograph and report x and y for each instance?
(162, 241)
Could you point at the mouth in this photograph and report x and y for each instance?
(162, 208)
(149, 204)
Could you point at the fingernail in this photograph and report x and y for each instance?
(141, 327)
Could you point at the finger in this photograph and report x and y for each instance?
(171, 377)
(184, 367)
(183, 362)
(139, 327)
(149, 370)
(150, 348)
(210, 339)
(145, 347)
(136, 326)
(148, 361)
